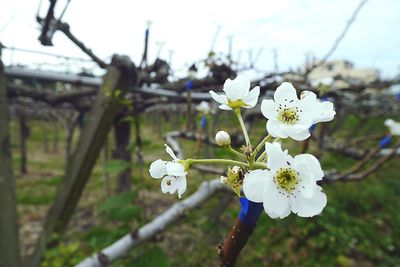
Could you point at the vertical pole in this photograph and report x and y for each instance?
(9, 247)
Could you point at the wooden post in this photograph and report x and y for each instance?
(122, 136)
(100, 120)
(9, 247)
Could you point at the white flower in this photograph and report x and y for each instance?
(291, 117)
(172, 172)
(222, 138)
(237, 94)
(393, 126)
(203, 107)
(323, 110)
(288, 186)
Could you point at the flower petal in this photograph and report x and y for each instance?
(237, 88)
(171, 152)
(312, 163)
(219, 98)
(225, 107)
(158, 169)
(181, 185)
(300, 135)
(309, 207)
(274, 128)
(252, 98)
(269, 109)
(253, 184)
(276, 204)
(276, 158)
(175, 169)
(285, 93)
(167, 184)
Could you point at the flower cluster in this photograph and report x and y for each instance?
(265, 173)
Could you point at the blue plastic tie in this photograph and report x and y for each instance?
(189, 85)
(385, 141)
(312, 128)
(203, 122)
(250, 211)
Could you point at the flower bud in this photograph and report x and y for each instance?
(222, 138)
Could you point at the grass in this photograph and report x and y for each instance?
(359, 227)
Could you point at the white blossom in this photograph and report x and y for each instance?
(237, 94)
(173, 174)
(203, 107)
(393, 126)
(291, 117)
(288, 186)
(222, 138)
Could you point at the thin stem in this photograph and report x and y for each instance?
(236, 153)
(218, 161)
(239, 116)
(262, 157)
(259, 165)
(260, 146)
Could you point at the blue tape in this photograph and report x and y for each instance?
(250, 211)
(385, 141)
(189, 85)
(312, 128)
(203, 122)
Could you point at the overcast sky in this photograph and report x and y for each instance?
(293, 27)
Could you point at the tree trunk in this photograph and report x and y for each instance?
(9, 247)
(122, 134)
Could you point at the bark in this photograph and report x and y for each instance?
(122, 134)
(9, 247)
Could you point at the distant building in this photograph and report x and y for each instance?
(343, 74)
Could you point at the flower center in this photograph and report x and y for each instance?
(236, 104)
(286, 179)
(288, 115)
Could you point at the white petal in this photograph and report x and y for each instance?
(237, 88)
(299, 136)
(275, 203)
(269, 109)
(276, 158)
(171, 152)
(175, 169)
(308, 207)
(219, 98)
(181, 186)
(225, 107)
(285, 93)
(158, 169)
(274, 128)
(167, 184)
(307, 182)
(327, 112)
(312, 163)
(252, 98)
(253, 184)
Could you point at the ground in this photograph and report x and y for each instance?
(359, 227)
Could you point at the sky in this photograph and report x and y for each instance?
(293, 28)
